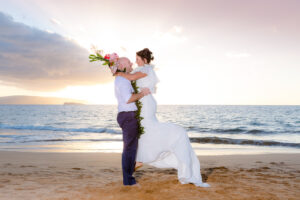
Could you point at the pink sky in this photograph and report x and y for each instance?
(213, 52)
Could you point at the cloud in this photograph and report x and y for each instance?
(55, 21)
(173, 36)
(38, 60)
(200, 47)
(49, 31)
(177, 29)
(237, 55)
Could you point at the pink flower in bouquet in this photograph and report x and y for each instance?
(113, 57)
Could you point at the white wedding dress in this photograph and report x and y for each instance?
(165, 145)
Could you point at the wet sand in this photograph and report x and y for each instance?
(66, 176)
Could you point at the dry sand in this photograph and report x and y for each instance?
(92, 176)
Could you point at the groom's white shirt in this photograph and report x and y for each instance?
(123, 92)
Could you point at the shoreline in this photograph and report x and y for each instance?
(94, 175)
(119, 153)
(116, 147)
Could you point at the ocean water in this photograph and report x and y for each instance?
(213, 130)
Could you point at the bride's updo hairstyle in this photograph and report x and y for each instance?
(145, 54)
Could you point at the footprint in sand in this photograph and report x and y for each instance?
(7, 165)
(265, 168)
(109, 170)
(275, 163)
(23, 166)
(4, 181)
(77, 168)
(171, 171)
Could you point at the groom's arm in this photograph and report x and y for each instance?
(138, 96)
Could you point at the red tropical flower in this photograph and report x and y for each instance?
(107, 57)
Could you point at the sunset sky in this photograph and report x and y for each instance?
(206, 51)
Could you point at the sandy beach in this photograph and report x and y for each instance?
(26, 175)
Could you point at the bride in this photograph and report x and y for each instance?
(163, 145)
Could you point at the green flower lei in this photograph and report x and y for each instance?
(139, 105)
(99, 57)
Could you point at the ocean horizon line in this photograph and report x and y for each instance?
(163, 104)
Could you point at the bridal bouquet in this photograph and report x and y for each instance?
(111, 60)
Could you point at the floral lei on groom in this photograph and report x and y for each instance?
(111, 60)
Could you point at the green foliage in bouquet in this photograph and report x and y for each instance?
(99, 57)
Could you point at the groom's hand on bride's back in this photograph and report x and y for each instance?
(135, 97)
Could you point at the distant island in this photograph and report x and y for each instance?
(22, 99)
(72, 103)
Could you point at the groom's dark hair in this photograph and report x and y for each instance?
(145, 54)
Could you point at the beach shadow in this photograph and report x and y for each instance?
(154, 171)
(209, 171)
(143, 173)
(138, 174)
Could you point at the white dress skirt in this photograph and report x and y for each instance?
(165, 145)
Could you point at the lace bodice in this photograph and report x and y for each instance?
(150, 80)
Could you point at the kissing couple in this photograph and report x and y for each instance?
(162, 145)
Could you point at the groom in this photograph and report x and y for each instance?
(127, 120)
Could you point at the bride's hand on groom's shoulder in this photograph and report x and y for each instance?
(145, 91)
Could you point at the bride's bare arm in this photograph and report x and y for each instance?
(132, 77)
